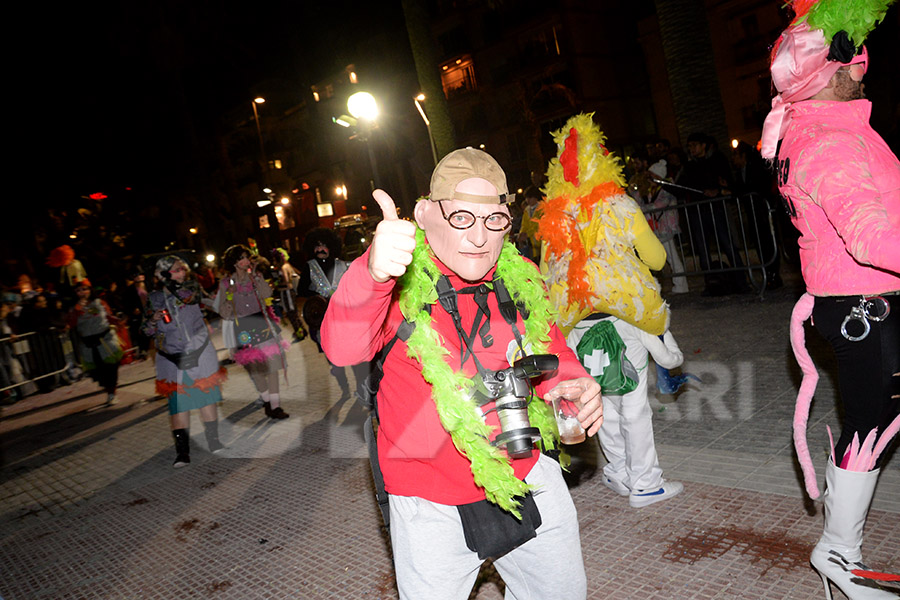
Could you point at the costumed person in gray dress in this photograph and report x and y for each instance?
(92, 322)
(245, 297)
(187, 367)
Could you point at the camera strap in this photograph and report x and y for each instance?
(509, 310)
(447, 298)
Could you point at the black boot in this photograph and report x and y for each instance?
(275, 413)
(182, 448)
(211, 428)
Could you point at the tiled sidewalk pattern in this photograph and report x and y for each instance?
(91, 507)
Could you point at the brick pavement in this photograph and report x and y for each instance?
(91, 508)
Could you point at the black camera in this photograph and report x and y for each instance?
(510, 390)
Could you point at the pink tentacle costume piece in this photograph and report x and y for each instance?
(859, 456)
(802, 311)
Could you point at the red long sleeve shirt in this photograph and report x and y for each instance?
(416, 455)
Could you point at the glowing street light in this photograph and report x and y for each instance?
(362, 106)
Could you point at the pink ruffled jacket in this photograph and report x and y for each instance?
(844, 184)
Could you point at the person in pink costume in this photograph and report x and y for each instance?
(451, 483)
(245, 297)
(841, 183)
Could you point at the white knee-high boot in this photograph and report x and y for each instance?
(847, 497)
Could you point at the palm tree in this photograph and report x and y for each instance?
(418, 26)
(687, 47)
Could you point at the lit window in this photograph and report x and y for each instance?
(352, 77)
(325, 210)
(316, 96)
(277, 163)
(458, 76)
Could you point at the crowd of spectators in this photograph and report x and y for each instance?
(659, 175)
(35, 338)
(701, 174)
(39, 306)
(35, 309)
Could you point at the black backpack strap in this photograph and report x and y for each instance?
(380, 494)
(373, 380)
(372, 383)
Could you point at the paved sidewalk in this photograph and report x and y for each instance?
(90, 506)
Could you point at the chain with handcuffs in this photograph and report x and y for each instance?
(870, 308)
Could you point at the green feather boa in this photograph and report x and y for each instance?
(451, 389)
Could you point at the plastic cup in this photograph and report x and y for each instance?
(566, 411)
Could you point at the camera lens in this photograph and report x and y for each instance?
(518, 435)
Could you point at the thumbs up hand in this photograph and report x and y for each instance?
(393, 244)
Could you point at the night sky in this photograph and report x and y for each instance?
(130, 93)
(123, 93)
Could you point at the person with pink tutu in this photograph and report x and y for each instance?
(245, 297)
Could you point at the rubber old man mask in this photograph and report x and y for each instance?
(466, 219)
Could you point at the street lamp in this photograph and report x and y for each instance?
(262, 148)
(363, 107)
(421, 98)
(268, 213)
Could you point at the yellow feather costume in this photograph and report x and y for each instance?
(590, 230)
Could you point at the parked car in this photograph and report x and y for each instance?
(355, 232)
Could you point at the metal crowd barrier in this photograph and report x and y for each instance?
(30, 357)
(725, 235)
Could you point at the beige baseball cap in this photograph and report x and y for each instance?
(468, 163)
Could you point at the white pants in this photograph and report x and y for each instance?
(626, 435)
(432, 560)
(673, 257)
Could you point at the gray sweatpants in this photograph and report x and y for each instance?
(432, 560)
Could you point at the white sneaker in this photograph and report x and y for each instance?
(111, 399)
(616, 486)
(668, 489)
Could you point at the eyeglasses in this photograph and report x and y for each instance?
(463, 219)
